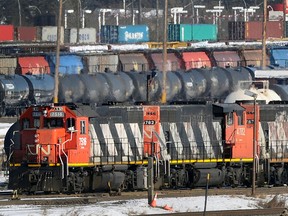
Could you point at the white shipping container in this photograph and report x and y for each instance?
(86, 35)
(49, 33)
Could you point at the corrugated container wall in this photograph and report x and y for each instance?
(253, 30)
(236, 30)
(49, 34)
(26, 33)
(179, 32)
(86, 35)
(8, 66)
(45, 20)
(201, 32)
(133, 34)
(101, 63)
(109, 34)
(6, 32)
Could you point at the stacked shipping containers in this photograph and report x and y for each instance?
(254, 30)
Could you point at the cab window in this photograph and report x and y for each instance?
(83, 127)
(25, 123)
(230, 118)
(53, 122)
(70, 123)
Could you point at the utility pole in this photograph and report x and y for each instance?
(78, 14)
(284, 19)
(264, 34)
(55, 100)
(164, 93)
(157, 20)
(139, 12)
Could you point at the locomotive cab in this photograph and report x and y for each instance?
(50, 135)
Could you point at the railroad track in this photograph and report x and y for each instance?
(91, 197)
(244, 212)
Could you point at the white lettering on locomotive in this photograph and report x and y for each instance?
(82, 142)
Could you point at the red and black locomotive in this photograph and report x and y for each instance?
(77, 147)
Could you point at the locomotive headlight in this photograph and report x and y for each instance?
(45, 113)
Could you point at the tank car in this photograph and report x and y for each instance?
(196, 84)
(19, 91)
(77, 147)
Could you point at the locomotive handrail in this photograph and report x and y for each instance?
(232, 134)
(62, 149)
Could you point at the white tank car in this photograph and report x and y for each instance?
(266, 95)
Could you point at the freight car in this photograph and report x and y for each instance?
(19, 91)
(76, 148)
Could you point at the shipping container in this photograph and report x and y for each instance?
(226, 59)
(45, 20)
(49, 34)
(33, 65)
(254, 30)
(86, 35)
(26, 33)
(133, 62)
(204, 32)
(101, 63)
(69, 64)
(133, 34)
(8, 66)
(173, 62)
(279, 57)
(6, 32)
(109, 34)
(196, 60)
(180, 32)
(236, 30)
(195, 32)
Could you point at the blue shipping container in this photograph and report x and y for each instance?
(69, 64)
(109, 34)
(133, 34)
(279, 57)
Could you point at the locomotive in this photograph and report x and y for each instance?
(83, 147)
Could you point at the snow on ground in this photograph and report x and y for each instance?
(4, 128)
(140, 206)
